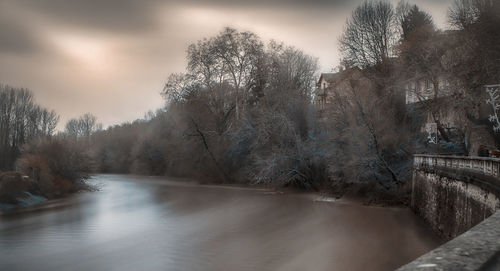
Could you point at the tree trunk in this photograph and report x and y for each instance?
(205, 144)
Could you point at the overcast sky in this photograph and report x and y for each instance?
(111, 57)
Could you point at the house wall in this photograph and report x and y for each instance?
(422, 89)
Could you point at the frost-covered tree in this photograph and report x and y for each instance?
(494, 100)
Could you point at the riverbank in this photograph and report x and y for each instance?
(17, 190)
(365, 194)
(29, 194)
(369, 193)
(20, 191)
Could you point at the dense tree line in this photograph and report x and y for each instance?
(240, 113)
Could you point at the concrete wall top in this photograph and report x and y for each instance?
(484, 166)
(459, 157)
(476, 249)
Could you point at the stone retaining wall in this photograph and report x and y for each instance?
(454, 194)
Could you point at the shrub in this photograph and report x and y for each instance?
(55, 164)
(37, 168)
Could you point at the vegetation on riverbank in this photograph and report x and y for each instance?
(48, 168)
(57, 165)
(46, 165)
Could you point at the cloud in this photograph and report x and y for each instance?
(107, 15)
(18, 37)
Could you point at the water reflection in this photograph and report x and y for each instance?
(147, 223)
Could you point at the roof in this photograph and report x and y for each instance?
(335, 77)
(330, 77)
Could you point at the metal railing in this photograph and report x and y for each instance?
(484, 165)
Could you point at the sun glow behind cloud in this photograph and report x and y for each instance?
(92, 54)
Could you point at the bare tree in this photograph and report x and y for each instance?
(464, 13)
(365, 130)
(21, 120)
(369, 34)
(232, 72)
(178, 87)
(474, 58)
(49, 121)
(291, 70)
(231, 56)
(83, 127)
(72, 128)
(203, 64)
(88, 124)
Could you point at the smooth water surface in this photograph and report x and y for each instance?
(152, 223)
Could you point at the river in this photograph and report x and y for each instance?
(154, 223)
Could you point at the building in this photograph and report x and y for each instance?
(331, 85)
(423, 89)
(324, 86)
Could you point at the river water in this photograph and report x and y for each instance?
(152, 223)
